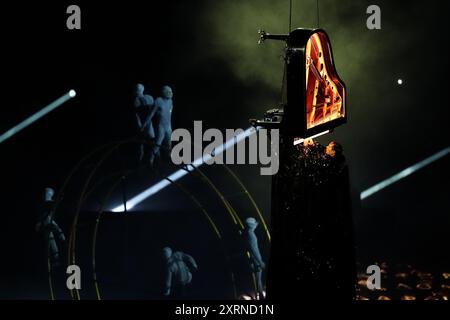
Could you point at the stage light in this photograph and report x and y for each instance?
(35, 117)
(408, 298)
(299, 141)
(400, 82)
(403, 174)
(182, 172)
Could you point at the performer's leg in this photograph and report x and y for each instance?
(53, 249)
(141, 152)
(259, 283)
(167, 143)
(159, 138)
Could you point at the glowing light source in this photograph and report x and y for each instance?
(35, 117)
(400, 82)
(182, 172)
(403, 174)
(299, 141)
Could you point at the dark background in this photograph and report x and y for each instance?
(207, 51)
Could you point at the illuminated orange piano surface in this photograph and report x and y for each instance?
(324, 92)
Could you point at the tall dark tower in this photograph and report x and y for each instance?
(312, 252)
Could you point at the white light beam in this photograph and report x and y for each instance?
(403, 174)
(35, 117)
(299, 141)
(181, 172)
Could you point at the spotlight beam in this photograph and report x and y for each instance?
(403, 174)
(35, 117)
(299, 141)
(182, 172)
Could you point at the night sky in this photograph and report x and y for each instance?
(208, 52)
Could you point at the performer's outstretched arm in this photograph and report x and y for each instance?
(190, 260)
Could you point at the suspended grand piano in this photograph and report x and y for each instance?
(312, 251)
(315, 95)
